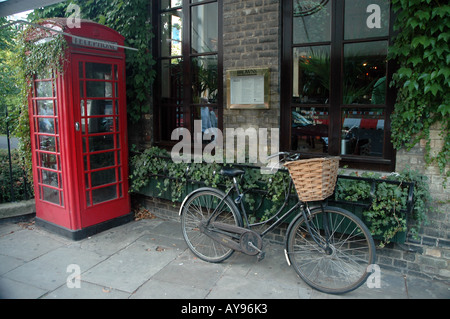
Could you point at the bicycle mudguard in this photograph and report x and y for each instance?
(201, 189)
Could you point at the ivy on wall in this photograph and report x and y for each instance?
(423, 79)
(131, 18)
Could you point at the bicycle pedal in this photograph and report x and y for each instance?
(261, 256)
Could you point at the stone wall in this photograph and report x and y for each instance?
(430, 254)
(252, 39)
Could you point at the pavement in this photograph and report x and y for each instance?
(148, 259)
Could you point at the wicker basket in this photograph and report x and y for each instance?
(314, 179)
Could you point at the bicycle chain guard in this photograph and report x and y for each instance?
(235, 237)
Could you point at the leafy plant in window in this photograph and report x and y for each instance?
(422, 51)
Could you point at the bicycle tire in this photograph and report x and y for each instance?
(344, 265)
(197, 208)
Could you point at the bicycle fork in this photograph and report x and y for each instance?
(318, 239)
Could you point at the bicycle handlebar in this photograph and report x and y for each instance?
(286, 156)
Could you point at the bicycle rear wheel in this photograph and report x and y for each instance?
(347, 250)
(196, 210)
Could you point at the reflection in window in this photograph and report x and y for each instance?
(45, 107)
(167, 4)
(312, 21)
(366, 19)
(204, 28)
(310, 129)
(104, 194)
(204, 78)
(98, 71)
(171, 33)
(171, 96)
(98, 89)
(44, 89)
(311, 75)
(362, 132)
(365, 73)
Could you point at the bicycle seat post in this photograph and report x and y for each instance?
(236, 187)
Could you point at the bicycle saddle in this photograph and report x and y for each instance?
(231, 172)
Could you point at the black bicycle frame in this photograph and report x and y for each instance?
(243, 212)
(279, 220)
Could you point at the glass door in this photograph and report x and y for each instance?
(100, 125)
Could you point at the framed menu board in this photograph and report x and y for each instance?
(248, 89)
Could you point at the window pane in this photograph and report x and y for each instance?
(362, 131)
(47, 143)
(101, 125)
(204, 79)
(45, 107)
(365, 73)
(101, 143)
(103, 177)
(312, 21)
(310, 129)
(98, 71)
(46, 125)
(311, 75)
(49, 178)
(204, 28)
(104, 194)
(99, 107)
(98, 89)
(44, 89)
(366, 18)
(172, 81)
(167, 4)
(50, 195)
(208, 114)
(171, 33)
(102, 160)
(48, 161)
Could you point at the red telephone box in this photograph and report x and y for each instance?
(79, 143)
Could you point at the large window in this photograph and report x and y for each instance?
(334, 93)
(189, 83)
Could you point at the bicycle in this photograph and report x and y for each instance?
(330, 248)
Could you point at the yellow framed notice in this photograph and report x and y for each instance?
(248, 89)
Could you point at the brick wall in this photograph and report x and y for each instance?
(429, 255)
(252, 39)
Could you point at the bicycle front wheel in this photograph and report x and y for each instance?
(340, 263)
(196, 211)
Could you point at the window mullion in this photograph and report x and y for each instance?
(337, 35)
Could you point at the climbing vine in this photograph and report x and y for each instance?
(34, 58)
(131, 18)
(423, 79)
